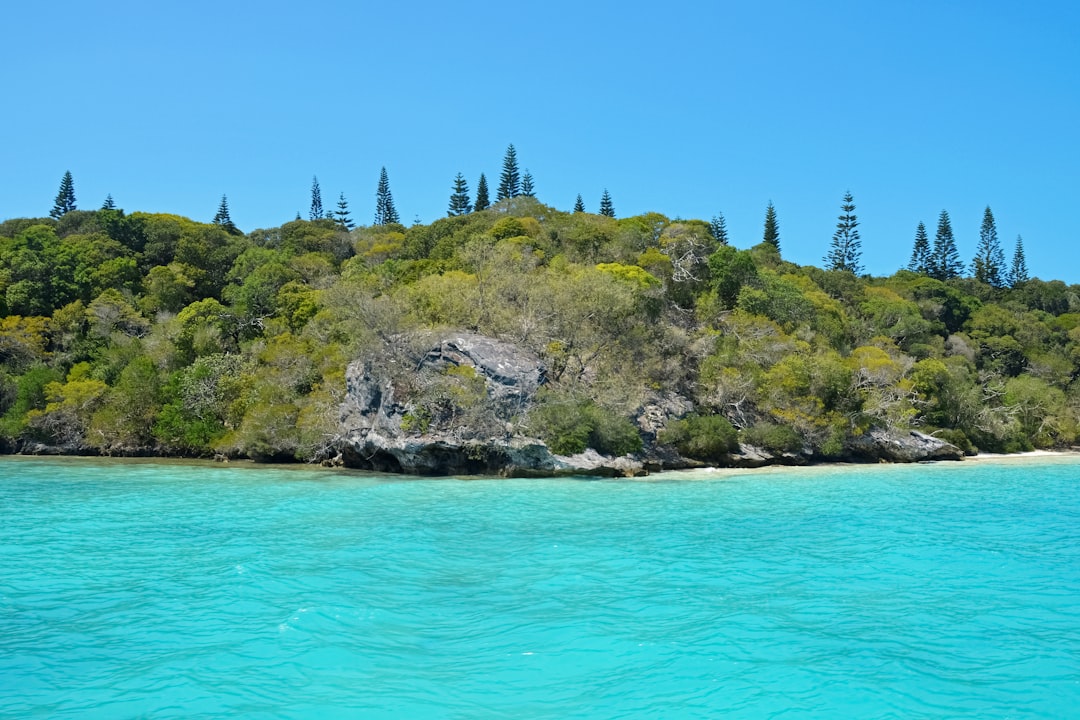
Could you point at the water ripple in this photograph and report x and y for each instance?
(156, 589)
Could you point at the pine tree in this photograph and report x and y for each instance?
(845, 253)
(482, 202)
(772, 228)
(459, 199)
(989, 263)
(222, 217)
(298, 215)
(316, 211)
(1018, 274)
(510, 180)
(718, 228)
(921, 259)
(606, 207)
(946, 263)
(528, 188)
(385, 212)
(109, 203)
(342, 217)
(65, 199)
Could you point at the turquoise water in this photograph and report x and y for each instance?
(143, 589)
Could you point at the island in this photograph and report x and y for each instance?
(512, 337)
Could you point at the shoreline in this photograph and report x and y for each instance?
(1028, 455)
(708, 472)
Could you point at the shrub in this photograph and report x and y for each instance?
(957, 438)
(708, 437)
(774, 438)
(571, 427)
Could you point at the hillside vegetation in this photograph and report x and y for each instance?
(152, 333)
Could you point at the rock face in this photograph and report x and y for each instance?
(377, 436)
(388, 424)
(903, 446)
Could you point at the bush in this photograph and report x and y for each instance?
(774, 438)
(571, 427)
(708, 437)
(957, 438)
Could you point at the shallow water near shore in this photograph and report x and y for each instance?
(157, 589)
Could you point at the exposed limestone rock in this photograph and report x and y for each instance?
(751, 456)
(380, 430)
(375, 408)
(903, 446)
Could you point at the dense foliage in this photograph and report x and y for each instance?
(126, 333)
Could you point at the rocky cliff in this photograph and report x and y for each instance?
(454, 404)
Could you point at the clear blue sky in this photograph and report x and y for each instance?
(685, 108)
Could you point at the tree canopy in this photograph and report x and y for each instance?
(142, 332)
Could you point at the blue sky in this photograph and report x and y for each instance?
(685, 108)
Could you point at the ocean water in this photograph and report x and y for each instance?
(159, 590)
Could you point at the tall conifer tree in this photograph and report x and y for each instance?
(528, 187)
(845, 253)
(109, 203)
(607, 209)
(342, 216)
(922, 261)
(1018, 273)
(989, 263)
(222, 217)
(510, 180)
(718, 228)
(772, 227)
(316, 212)
(385, 212)
(482, 201)
(579, 204)
(65, 198)
(459, 199)
(946, 258)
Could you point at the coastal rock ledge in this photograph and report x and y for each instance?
(903, 446)
(397, 418)
(388, 425)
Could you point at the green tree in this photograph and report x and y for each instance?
(482, 201)
(222, 218)
(946, 258)
(607, 209)
(772, 228)
(342, 216)
(1018, 273)
(385, 212)
(65, 198)
(124, 423)
(922, 261)
(845, 252)
(729, 271)
(579, 204)
(109, 204)
(510, 180)
(989, 263)
(459, 199)
(718, 228)
(528, 188)
(316, 212)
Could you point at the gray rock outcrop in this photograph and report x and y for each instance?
(381, 431)
(903, 446)
(452, 405)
